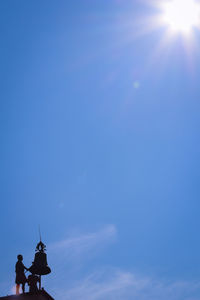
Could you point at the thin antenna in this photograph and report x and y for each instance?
(40, 234)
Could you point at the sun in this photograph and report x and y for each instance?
(181, 15)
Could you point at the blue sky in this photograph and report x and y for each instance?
(100, 146)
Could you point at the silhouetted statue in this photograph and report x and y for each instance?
(40, 266)
(20, 276)
(32, 282)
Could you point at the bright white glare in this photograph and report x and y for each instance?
(181, 15)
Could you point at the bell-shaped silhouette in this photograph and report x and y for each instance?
(40, 266)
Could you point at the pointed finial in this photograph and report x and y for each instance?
(40, 234)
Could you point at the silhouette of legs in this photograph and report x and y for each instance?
(17, 289)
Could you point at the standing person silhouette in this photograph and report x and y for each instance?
(20, 276)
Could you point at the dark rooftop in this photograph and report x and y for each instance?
(41, 295)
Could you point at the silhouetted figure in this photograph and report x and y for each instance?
(32, 282)
(20, 276)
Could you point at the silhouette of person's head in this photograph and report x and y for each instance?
(20, 257)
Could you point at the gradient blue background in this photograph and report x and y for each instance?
(82, 146)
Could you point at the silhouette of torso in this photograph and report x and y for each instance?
(19, 269)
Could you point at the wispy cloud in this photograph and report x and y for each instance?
(120, 285)
(107, 283)
(69, 257)
(83, 244)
